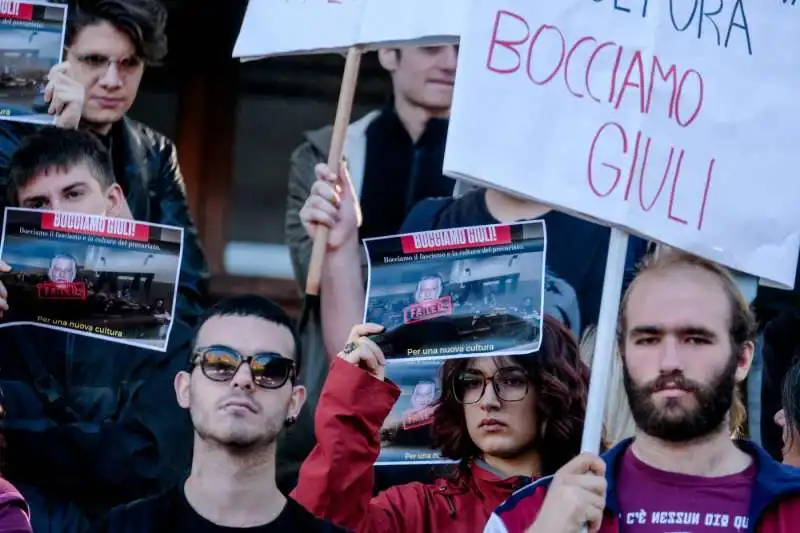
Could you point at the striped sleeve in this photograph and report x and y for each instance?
(519, 511)
(495, 525)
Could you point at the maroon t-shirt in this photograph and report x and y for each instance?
(13, 510)
(655, 501)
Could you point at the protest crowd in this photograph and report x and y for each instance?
(443, 393)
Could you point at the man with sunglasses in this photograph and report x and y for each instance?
(240, 390)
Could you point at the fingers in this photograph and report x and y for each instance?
(48, 91)
(585, 463)
(327, 192)
(378, 354)
(367, 356)
(362, 330)
(594, 519)
(362, 355)
(316, 205)
(324, 174)
(347, 187)
(4, 267)
(322, 205)
(65, 96)
(61, 68)
(342, 183)
(60, 92)
(594, 488)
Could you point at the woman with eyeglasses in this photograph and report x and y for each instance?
(505, 419)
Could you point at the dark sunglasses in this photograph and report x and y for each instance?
(221, 363)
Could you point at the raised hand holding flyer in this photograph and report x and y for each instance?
(31, 43)
(102, 277)
(461, 292)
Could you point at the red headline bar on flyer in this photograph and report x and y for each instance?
(16, 10)
(113, 228)
(456, 239)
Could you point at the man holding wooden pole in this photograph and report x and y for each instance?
(394, 157)
(686, 337)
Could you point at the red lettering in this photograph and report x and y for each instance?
(635, 160)
(617, 170)
(636, 62)
(663, 78)
(603, 191)
(663, 178)
(709, 174)
(634, 76)
(507, 44)
(613, 89)
(670, 215)
(671, 73)
(680, 94)
(560, 58)
(591, 64)
(572, 50)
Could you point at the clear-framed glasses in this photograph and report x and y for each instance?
(510, 385)
(221, 363)
(99, 64)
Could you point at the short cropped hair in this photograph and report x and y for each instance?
(143, 21)
(254, 306)
(61, 149)
(742, 325)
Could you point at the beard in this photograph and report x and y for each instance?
(673, 422)
(238, 434)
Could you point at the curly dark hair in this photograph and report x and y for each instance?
(560, 381)
(790, 400)
(143, 21)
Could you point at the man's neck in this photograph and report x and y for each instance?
(505, 208)
(713, 456)
(234, 490)
(528, 464)
(415, 118)
(792, 458)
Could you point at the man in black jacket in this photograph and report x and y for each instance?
(90, 424)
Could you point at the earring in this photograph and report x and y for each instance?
(290, 421)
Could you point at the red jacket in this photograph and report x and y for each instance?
(774, 507)
(337, 478)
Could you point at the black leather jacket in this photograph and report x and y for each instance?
(89, 421)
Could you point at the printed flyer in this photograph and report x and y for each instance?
(463, 292)
(406, 433)
(106, 278)
(31, 42)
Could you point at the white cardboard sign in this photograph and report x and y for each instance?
(288, 27)
(418, 22)
(676, 123)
